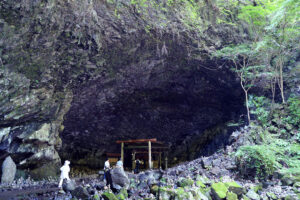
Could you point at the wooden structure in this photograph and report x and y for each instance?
(144, 147)
(113, 158)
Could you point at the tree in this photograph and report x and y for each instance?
(275, 28)
(244, 65)
(285, 32)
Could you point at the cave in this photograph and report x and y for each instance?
(86, 77)
(186, 108)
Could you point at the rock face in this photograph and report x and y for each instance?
(77, 75)
(8, 170)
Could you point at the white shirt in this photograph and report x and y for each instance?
(119, 163)
(65, 169)
(106, 165)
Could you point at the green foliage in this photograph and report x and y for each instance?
(257, 159)
(254, 14)
(260, 107)
(294, 109)
(185, 182)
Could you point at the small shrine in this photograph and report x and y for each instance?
(151, 152)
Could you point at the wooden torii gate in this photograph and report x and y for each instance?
(135, 146)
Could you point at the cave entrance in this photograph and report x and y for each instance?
(188, 109)
(149, 152)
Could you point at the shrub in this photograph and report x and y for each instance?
(257, 160)
(260, 106)
(294, 109)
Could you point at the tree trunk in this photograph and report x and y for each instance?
(247, 106)
(281, 80)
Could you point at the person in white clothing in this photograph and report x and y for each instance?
(65, 169)
(106, 165)
(107, 175)
(119, 163)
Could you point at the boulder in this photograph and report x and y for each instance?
(219, 190)
(252, 195)
(68, 185)
(235, 188)
(206, 162)
(80, 193)
(200, 184)
(8, 171)
(122, 195)
(203, 179)
(119, 178)
(96, 196)
(231, 196)
(143, 186)
(271, 195)
(109, 196)
(217, 162)
(185, 182)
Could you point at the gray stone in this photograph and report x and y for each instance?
(216, 171)
(206, 162)
(68, 185)
(80, 192)
(8, 170)
(119, 178)
(252, 195)
(216, 163)
(234, 136)
(143, 186)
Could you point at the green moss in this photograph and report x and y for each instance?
(96, 197)
(200, 184)
(181, 194)
(234, 187)
(154, 189)
(231, 196)
(203, 179)
(271, 195)
(122, 194)
(219, 189)
(109, 196)
(257, 188)
(185, 182)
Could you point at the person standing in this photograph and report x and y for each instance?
(107, 175)
(65, 169)
(119, 163)
(137, 166)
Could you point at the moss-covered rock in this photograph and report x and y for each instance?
(154, 189)
(96, 196)
(257, 188)
(203, 179)
(200, 184)
(296, 185)
(290, 179)
(182, 194)
(244, 197)
(122, 195)
(271, 195)
(185, 182)
(231, 196)
(252, 195)
(219, 190)
(289, 197)
(234, 187)
(109, 196)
